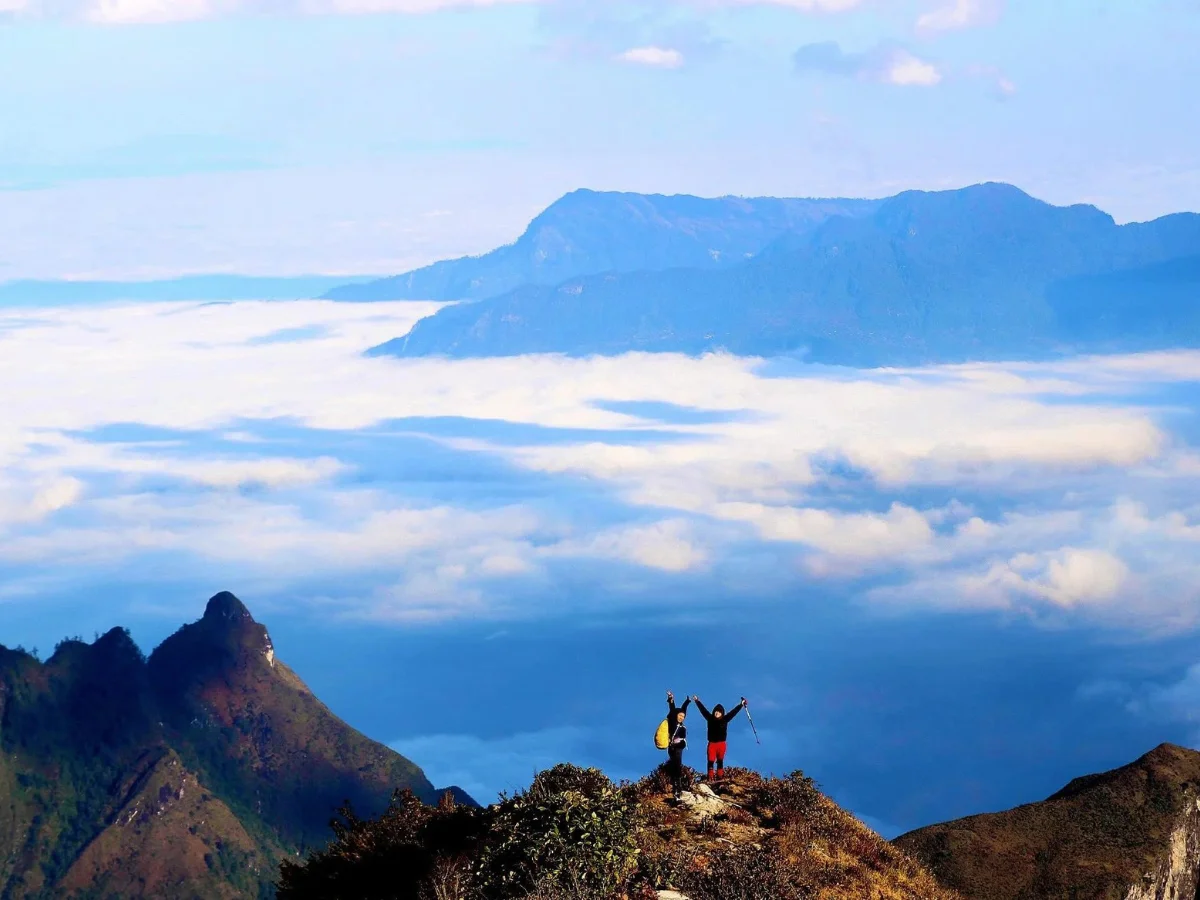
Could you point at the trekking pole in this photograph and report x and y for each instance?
(750, 719)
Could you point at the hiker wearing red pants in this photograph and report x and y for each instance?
(718, 733)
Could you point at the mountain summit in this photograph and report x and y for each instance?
(574, 835)
(591, 232)
(190, 774)
(225, 607)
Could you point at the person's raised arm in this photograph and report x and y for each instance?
(703, 710)
(737, 709)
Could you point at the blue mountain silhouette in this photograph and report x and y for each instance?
(982, 272)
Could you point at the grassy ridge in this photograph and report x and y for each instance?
(574, 835)
(1095, 839)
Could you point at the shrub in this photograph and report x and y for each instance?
(394, 857)
(748, 872)
(791, 798)
(659, 782)
(572, 830)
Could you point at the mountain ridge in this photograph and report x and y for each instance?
(1132, 832)
(575, 835)
(192, 772)
(589, 232)
(921, 277)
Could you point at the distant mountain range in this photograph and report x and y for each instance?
(978, 273)
(191, 774)
(591, 232)
(1129, 834)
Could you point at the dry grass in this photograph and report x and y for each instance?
(1095, 838)
(779, 838)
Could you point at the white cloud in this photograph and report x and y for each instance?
(23, 501)
(954, 15)
(1066, 579)
(656, 57)
(905, 70)
(1074, 576)
(851, 536)
(59, 494)
(1092, 507)
(441, 592)
(669, 546)
(83, 456)
(885, 63)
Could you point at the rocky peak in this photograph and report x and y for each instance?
(225, 608)
(226, 639)
(227, 620)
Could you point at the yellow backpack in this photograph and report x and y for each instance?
(662, 737)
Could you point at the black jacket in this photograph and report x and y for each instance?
(678, 735)
(718, 729)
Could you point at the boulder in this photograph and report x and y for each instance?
(703, 803)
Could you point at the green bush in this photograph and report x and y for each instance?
(394, 857)
(572, 830)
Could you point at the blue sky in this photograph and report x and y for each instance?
(286, 137)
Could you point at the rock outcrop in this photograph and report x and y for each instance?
(702, 803)
(1177, 875)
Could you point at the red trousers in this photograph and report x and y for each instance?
(716, 751)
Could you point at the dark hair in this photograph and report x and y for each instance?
(719, 709)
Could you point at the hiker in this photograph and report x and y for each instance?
(718, 733)
(677, 743)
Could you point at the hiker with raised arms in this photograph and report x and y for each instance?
(675, 734)
(718, 734)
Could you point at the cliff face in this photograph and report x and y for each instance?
(1177, 875)
(1129, 834)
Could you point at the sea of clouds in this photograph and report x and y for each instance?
(872, 554)
(258, 436)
